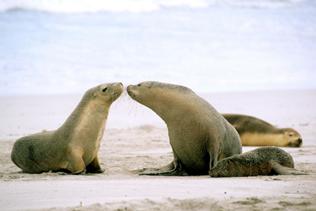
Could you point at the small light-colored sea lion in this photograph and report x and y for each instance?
(198, 134)
(261, 161)
(74, 146)
(257, 132)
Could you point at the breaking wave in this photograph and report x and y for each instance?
(136, 6)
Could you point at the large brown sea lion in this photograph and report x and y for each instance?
(199, 135)
(261, 161)
(257, 132)
(74, 146)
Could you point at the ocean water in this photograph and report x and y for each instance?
(67, 46)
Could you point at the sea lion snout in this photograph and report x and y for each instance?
(108, 92)
(118, 86)
(297, 143)
(130, 90)
(293, 137)
(116, 89)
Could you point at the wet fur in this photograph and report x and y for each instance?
(261, 161)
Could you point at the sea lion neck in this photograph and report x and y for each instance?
(85, 107)
(173, 108)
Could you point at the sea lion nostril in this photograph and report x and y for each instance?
(129, 89)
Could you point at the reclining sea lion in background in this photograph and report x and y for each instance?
(74, 146)
(256, 132)
(261, 161)
(199, 135)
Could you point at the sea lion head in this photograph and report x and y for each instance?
(148, 92)
(106, 93)
(292, 137)
(160, 96)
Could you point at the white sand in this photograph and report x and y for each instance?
(136, 138)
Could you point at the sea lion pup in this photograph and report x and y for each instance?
(256, 132)
(74, 146)
(198, 134)
(261, 161)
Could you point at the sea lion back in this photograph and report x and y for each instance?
(26, 156)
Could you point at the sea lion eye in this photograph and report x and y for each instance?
(139, 84)
(104, 89)
(291, 134)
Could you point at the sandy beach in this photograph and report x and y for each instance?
(135, 138)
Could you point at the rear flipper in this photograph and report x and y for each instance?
(283, 170)
(170, 170)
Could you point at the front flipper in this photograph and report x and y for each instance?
(173, 169)
(94, 167)
(283, 170)
(75, 162)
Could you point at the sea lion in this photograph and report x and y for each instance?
(261, 161)
(257, 132)
(73, 147)
(198, 134)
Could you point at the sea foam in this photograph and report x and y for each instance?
(136, 6)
